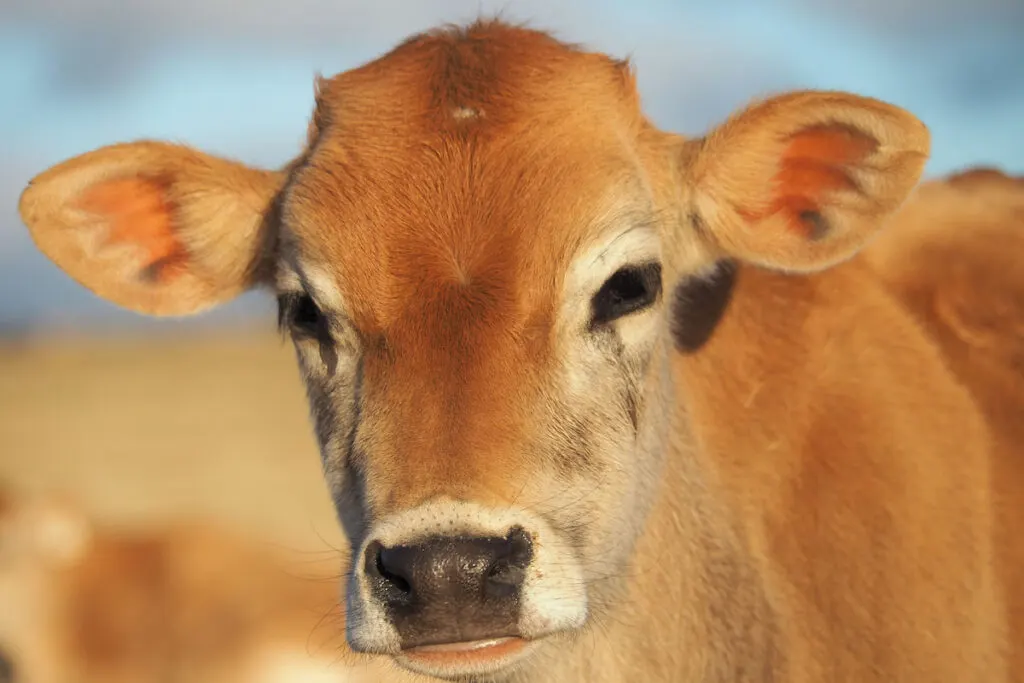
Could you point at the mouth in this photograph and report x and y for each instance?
(476, 657)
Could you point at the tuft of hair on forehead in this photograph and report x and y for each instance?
(454, 75)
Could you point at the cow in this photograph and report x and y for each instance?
(182, 602)
(595, 401)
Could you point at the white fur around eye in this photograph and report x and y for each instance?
(324, 288)
(640, 331)
(602, 258)
(597, 262)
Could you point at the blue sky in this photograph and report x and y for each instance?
(236, 78)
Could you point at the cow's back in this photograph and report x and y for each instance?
(952, 257)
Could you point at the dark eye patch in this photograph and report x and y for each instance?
(630, 289)
(699, 304)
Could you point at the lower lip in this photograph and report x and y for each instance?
(476, 652)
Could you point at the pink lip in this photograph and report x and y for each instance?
(466, 654)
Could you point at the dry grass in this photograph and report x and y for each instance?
(146, 428)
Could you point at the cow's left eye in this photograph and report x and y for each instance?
(632, 288)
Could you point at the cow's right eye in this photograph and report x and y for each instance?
(298, 313)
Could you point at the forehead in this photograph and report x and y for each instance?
(480, 161)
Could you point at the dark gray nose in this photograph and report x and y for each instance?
(451, 589)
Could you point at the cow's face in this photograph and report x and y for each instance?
(476, 303)
(475, 257)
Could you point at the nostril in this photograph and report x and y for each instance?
(506, 574)
(371, 559)
(397, 580)
(520, 546)
(384, 571)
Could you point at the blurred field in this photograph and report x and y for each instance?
(143, 428)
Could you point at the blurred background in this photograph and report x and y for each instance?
(147, 421)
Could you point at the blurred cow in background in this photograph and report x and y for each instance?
(186, 602)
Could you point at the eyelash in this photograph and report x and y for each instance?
(631, 289)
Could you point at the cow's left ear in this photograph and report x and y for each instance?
(801, 181)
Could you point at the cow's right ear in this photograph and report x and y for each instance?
(158, 228)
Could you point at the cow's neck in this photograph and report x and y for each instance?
(704, 614)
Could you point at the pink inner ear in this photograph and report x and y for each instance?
(138, 213)
(814, 164)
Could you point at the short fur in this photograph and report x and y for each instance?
(953, 257)
(790, 485)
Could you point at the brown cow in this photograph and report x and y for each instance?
(595, 402)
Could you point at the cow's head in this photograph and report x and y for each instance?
(485, 257)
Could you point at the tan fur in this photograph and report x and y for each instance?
(952, 256)
(189, 603)
(85, 203)
(804, 496)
